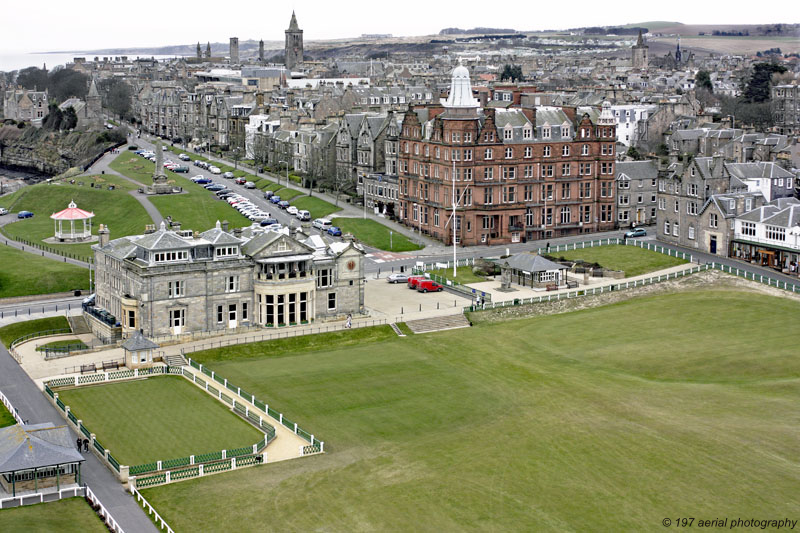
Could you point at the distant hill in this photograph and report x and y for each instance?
(475, 31)
(739, 30)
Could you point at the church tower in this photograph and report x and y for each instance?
(639, 54)
(94, 107)
(294, 44)
(678, 55)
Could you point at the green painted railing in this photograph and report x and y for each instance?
(149, 481)
(139, 469)
(171, 463)
(113, 462)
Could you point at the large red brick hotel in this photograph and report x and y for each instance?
(520, 173)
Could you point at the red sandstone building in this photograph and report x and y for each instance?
(520, 173)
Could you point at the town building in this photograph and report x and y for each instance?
(637, 185)
(514, 174)
(770, 235)
(294, 45)
(24, 105)
(639, 59)
(174, 282)
(785, 100)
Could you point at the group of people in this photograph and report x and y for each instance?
(82, 443)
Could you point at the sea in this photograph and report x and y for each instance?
(21, 60)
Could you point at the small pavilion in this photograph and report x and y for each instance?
(80, 224)
(138, 351)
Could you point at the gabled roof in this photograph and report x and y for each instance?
(637, 170)
(163, 239)
(529, 262)
(757, 170)
(36, 446)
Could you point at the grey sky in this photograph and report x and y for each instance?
(55, 25)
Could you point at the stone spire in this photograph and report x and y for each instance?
(199, 52)
(261, 50)
(158, 172)
(640, 41)
(293, 23)
(208, 49)
(93, 93)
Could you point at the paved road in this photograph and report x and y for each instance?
(15, 312)
(33, 407)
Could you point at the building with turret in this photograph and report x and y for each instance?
(639, 59)
(294, 44)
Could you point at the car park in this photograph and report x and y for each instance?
(24, 214)
(292, 210)
(249, 185)
(428, 285)
(397, 277)
(322, 224)
(228, 175)
(303, 215)
(336, 232)
(638, 232)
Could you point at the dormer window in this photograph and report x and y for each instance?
(171, 257)
(546, 132)
(508, 134)
(226, 251)
(527, 132)
(565, 131)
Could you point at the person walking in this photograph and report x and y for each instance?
(79, 442)
(349, 323)
(86, 445)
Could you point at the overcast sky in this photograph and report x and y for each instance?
(55, 25)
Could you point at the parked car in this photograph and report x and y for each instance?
(163, 148)
(3, 211)
(283, 204)
(413, 281)
(322, 224)
(228, 175)
(224, 193)
(215, 187)
(303, 215)
(428, 285)
(292, 210)
(268, 194)
(274, 198)
(638, 232)
(397, 277)
(214, 170)
(249, 185)
(181, 168)
(336, 232)
(184, 157)
(269, 221)
(24, 214)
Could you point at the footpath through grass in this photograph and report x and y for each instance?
(570, 422)
(634, 261)
(158, 418)
(375, 234)
(116, 208)
(12, 332)
(22, 274)
(72, 515)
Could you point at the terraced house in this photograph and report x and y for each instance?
(515, 173)
(176, 282)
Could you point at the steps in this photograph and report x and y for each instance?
(438, 323)
(174, 360)
(78, 325)
(397, 330)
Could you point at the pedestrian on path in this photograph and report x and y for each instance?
(86, 445)
(349, 323)
(79, 442)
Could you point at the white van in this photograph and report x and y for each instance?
(322, 224)
(302, 214)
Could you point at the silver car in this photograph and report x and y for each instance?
(397, 277)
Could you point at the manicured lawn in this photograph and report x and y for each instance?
(23, 274)
(288, 194)
(375, 234)
(72, 344)
(318, 207)
(14, 331)
(634, 261)
(72, 515)
(607, 419)
(464, 274)
(6, 418)
(198, 209)
(119, 210)
(137, 167)
(158, 418)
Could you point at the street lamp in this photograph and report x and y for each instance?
(287, 173)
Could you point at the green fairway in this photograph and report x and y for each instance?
(119, 210)
(634, 261)
(72, 515)
(375, 234)
(318, 207)
(12, 332)
(607, 419)
(158, 418)
(24, 274)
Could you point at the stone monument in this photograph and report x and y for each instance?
(160, 185)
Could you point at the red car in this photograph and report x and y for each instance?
(240, 181)
(428, 285)
(414, 280)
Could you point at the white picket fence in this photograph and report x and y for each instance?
(105, 515)
(150, 509)
(10, 407)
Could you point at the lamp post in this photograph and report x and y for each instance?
(287, 173)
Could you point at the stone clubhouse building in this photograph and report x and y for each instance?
(172, 282)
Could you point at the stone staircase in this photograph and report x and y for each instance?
(78, 325)
(439, 323)
(174, 360)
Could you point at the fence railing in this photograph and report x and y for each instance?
(103, 512)
(46, 249)
(151, 511)
(41, 497)
(283, 334)
(766, 280)
(251, 400)
(37, 334)
(589, 291)
(11, 408)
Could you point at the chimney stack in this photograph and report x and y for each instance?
(225, 226)
(103, 235)
(237, 232)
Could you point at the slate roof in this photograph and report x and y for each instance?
(757, 170)
(528, 262)
(162, 239)
(137, 342)
(36, 446)
(637, 170)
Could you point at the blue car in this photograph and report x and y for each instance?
(336, 232)
(24, 214)
(274, 199)
(638, 232)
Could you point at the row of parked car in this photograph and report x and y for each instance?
(420, 283)
(168, 164)
(206, 166)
